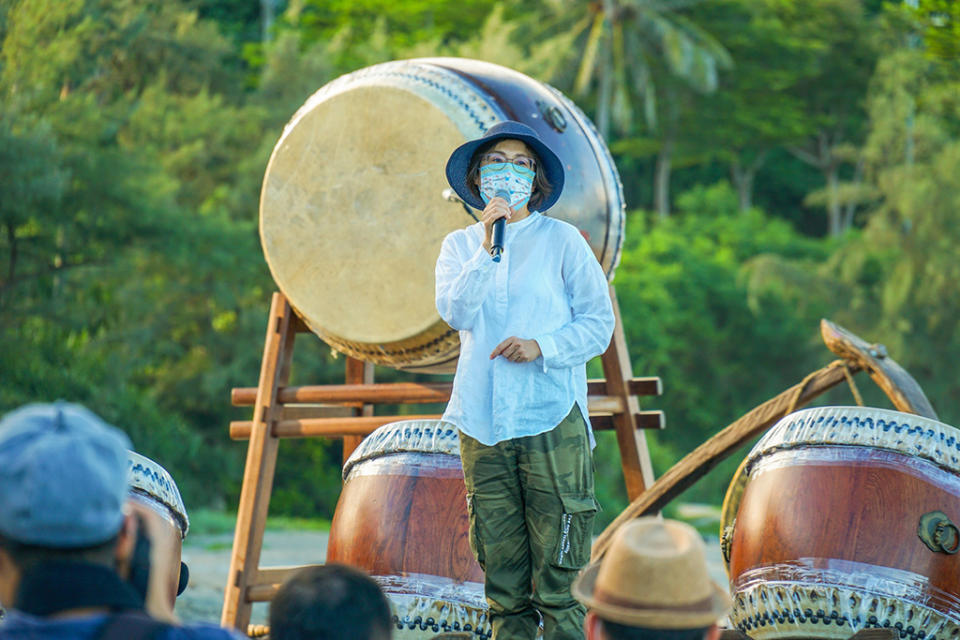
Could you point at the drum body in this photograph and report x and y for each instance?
(153, 492)
(354, 204)
(826, 539)
(402, 517)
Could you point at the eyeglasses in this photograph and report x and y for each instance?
(495, 157)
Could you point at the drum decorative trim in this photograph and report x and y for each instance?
(802, 600)
(431, 82)
(406, 436)
(148, 478)
(904, 433)
(432, 604)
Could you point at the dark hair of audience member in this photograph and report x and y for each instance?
(28, 556)
(330, 602)
(616, 631)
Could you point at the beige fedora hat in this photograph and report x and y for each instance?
(654, 575)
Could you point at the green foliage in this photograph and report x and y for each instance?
(134, 137)
(940, 21)
(130, 135)
(688, 317)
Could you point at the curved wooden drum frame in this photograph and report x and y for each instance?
(856, 355)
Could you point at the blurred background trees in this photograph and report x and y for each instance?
(782, 161)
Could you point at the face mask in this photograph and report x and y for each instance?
(506, 176)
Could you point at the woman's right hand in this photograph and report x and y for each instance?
(497, 208)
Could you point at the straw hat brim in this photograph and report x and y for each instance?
(678, 617)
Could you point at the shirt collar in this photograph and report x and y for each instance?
(526, 222)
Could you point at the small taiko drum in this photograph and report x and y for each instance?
(153, 488)
(355, 206)
(402, 516)
(845, 518)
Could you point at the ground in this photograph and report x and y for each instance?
(208, 556)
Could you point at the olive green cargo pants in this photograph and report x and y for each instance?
(531, 504)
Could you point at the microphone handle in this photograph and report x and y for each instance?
(499, 226)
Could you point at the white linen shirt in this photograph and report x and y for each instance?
(548, 286)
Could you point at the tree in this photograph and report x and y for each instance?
(757, 106)
(629, 48)
(128, 220)
(638, 37)
(833, 97)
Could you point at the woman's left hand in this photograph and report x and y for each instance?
(517, 349)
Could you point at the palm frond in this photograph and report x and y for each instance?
(622, 112)
(641, 76)
(704, 40)
(589, 61)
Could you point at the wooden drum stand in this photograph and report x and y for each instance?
(280, 412)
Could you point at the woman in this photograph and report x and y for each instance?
(528, 324)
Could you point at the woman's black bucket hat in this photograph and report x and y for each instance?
(459, 162)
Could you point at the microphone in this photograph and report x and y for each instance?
(499, 226)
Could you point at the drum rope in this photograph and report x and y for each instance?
(853, 385)
(795, 400)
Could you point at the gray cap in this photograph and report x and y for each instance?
(63, 476)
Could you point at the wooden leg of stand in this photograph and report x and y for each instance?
(260, 465)
(358, 372)
(634, 455)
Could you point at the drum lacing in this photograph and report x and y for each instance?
(795, 400)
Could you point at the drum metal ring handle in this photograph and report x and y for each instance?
(939, 533)
(553, 115)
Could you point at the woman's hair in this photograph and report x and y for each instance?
(541, 186)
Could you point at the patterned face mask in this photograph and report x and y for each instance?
(506, 176)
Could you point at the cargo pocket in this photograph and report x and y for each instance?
(575, 531)
(473, 534)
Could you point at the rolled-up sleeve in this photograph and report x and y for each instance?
(464, 276)
(589, 331)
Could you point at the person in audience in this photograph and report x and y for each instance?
(652, 584)
(68, 538)
(330, 602)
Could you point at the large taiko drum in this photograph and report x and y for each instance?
(847, 520)
(353, 208)
(402, 516)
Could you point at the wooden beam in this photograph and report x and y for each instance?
(648, 386)
(377, 393)
(405, 392)
(338, 427)
(261, 592)
(260, 464)
(359, 426)
(643, 420)
(358, 373)
(903, 391)
(634, 455)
